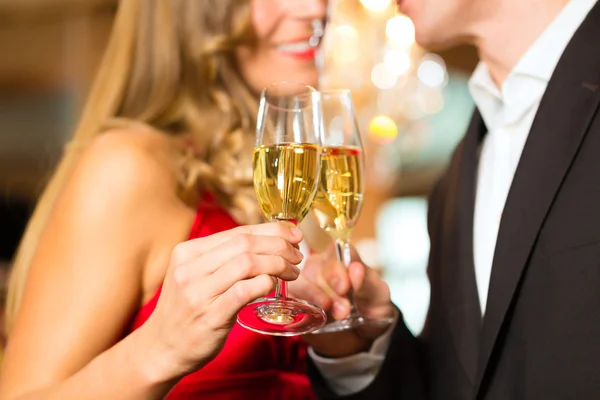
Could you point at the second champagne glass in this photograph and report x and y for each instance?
(287, 163)
(340, 195)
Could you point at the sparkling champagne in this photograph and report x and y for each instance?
(339, 197)
(285, 179)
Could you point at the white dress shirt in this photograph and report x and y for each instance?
(508, 113)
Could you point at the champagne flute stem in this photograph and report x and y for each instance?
(281, 286)
(342, 252)
(280, 289)
(344, 256)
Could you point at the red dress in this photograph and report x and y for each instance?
(251, 365)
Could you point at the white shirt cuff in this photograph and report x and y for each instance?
(348, 375)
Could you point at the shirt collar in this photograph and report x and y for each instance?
(543, 56)
(535, 67)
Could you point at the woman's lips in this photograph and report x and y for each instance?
(300, 50)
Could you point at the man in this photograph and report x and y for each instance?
(514, 225)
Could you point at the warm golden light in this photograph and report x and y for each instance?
(382, 77)
(383, 129)
(397, 61)
(400, 31)
(375, 5)
(347, 43)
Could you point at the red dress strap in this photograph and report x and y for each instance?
(250, 366)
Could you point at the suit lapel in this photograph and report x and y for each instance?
(566, 110)
(458, 284)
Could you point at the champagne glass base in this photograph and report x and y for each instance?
(281, 316)
(352, 322)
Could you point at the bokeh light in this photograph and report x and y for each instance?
(397, 61)
(400, 31)
(375, 5)
(432, 71)
(345, 51)
(382, 129)
(382, 77)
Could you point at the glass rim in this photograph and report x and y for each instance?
(313, 92)
(335, 91)
(297, 83)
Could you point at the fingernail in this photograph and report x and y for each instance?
(321, 301)
(339, 308)
(299, 254)
(296, 269)
(296, 232)
(336, 284)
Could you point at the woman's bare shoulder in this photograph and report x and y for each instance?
(127, 173)
(122, 156)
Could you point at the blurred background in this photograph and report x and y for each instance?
(413, 108)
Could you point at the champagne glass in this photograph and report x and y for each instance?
(339, 198)
(287, 163)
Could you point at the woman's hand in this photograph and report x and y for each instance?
(209, 280)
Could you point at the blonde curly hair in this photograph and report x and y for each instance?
(169, 65)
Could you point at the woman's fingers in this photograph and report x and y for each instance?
(239, 251)
(186, 252)
(244, 245)
(240, 294)
(209, 280)
(249, 266)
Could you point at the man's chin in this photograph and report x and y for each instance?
(435, 42)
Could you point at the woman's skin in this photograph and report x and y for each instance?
(118, 231)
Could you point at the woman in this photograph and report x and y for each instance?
(100, 305)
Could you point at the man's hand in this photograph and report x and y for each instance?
(325, 282)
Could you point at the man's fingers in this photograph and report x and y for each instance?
(341, 308)
(370, 291)
(305, 289)
(357, 272)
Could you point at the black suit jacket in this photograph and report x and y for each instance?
(540, 337)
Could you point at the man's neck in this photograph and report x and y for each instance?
(506, 36)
